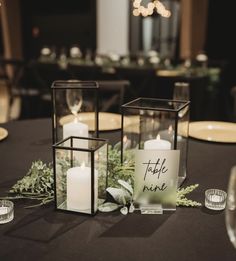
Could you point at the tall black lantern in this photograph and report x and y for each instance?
(156, 124)
(75, 109)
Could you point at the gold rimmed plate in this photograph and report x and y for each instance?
(3, 133)
(214, 131)
(169, 73)
(107, 121)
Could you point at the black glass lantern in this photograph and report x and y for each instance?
(156, 124)
(75, 109)
(80, 174)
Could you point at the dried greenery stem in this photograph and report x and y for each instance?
(38, 183)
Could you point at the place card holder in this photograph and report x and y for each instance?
(156, 209)
(80, 174)
(75, 109)
(155, 132)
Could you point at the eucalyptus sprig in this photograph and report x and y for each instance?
(117, 170)
(37, 184)
(181, 197)
(122, 195)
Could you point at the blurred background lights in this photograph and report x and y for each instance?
(153, 5)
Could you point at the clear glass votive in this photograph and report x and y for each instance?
(6, 211)
(215, 199)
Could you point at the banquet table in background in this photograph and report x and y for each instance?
(45, 234)
(145, 81)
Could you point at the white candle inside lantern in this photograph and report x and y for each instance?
(157, 144)
(77, 129)
(79, 189)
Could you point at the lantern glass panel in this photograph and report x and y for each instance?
(75, 109)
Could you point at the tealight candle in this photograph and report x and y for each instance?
(215, 198)
(157, 144)
(79, 189)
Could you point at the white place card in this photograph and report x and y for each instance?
(156, 178)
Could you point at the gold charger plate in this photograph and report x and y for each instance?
(215, 131)
(107, 121)
(3, 133)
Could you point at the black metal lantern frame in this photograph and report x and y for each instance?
(80, 174)
(75, 109)
(146, 119)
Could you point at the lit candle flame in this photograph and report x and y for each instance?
(125, 139)
(82, 165)
(170, 129)
(158, 137)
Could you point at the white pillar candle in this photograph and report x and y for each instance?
(77, 129)
(79, 189)
(157, 144)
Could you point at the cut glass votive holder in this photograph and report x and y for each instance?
(6, 211)
(215, 199)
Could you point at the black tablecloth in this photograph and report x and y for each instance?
(44, 234)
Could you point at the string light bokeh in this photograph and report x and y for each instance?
(153, 6)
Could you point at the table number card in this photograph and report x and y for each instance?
(155, 180)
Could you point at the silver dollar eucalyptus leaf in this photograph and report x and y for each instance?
(100, 201)
(119, 195)
(108, 207)
(126, 185)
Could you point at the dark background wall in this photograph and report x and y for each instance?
(58, 23)
(221, 49)
(220, 38)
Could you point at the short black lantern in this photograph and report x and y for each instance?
(80, 174)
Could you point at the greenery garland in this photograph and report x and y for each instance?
(38, 184)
